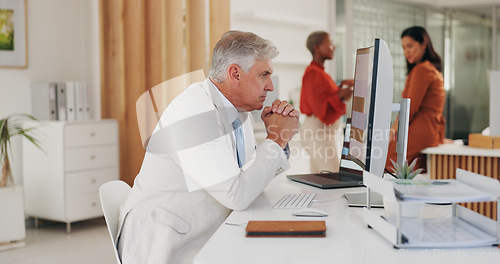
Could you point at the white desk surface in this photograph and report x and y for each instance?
(459, 149)
(348, 239)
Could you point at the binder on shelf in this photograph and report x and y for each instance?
(44, 100)
(65, 101)
(70, 101)
(81, 101)
(61, 101)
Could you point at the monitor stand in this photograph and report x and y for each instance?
(358, 199)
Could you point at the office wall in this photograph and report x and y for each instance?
(287, 24)
(63, 45)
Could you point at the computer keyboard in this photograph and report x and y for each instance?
(295, 200)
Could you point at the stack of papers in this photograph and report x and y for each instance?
(443, 232)
(449, 191)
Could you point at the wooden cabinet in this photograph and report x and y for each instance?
(61, 183)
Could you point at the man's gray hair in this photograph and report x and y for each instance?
(240, 48)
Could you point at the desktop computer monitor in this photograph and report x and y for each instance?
(367, 135)
(368, 142)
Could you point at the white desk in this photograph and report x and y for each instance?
(348, 239)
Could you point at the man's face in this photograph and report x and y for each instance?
(254, 86)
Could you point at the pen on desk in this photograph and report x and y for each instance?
(233, 224)
(440, 182)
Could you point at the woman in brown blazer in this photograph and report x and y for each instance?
(425, 87)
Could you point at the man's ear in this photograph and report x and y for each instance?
(234, 73)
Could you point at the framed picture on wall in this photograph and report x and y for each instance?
(13, 36)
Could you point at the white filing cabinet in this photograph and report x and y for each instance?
(61, 183)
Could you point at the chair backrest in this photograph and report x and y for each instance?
(113, 194)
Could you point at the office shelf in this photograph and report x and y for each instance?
(465, 228)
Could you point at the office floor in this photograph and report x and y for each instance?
(88, 242)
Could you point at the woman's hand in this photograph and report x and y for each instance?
(345, 91)
(347, 83)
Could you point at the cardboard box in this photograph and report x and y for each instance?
(496, 142)
(477, 140)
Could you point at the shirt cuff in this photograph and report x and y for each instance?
(281, 159)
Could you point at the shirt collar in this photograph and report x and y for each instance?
(317, 65)
(231, 111)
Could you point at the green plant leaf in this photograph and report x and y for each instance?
(395, 165)
(12, 126)
(405, 171)
(413, 164)
(415, 173)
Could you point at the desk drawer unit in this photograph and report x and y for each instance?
(62, 183)
(88, 181)
(78, 135)
(90, 158)
(83, 206)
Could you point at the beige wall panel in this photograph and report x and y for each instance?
(175, 38)
(219, 20)
(154, 44)
(132, 151)
(143, 45)
(195, 36)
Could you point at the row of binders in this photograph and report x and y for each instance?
(60, 101)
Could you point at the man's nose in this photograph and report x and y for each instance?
(270, 85)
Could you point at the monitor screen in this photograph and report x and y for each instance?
(370, 119)
(361, 104)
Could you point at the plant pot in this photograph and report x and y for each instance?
(12, 221)
(412, 209)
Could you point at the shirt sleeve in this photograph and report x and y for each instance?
(212, 166)
(321, 96)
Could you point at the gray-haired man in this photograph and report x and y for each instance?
(201, 162)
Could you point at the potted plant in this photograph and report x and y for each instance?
(12, 222)
(404, 173)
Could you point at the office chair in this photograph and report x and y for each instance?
(113, 195)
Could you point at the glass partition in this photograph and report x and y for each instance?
(498, 39)
(463, 39)
(470, 63)
(386, 20)
(340, 40)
